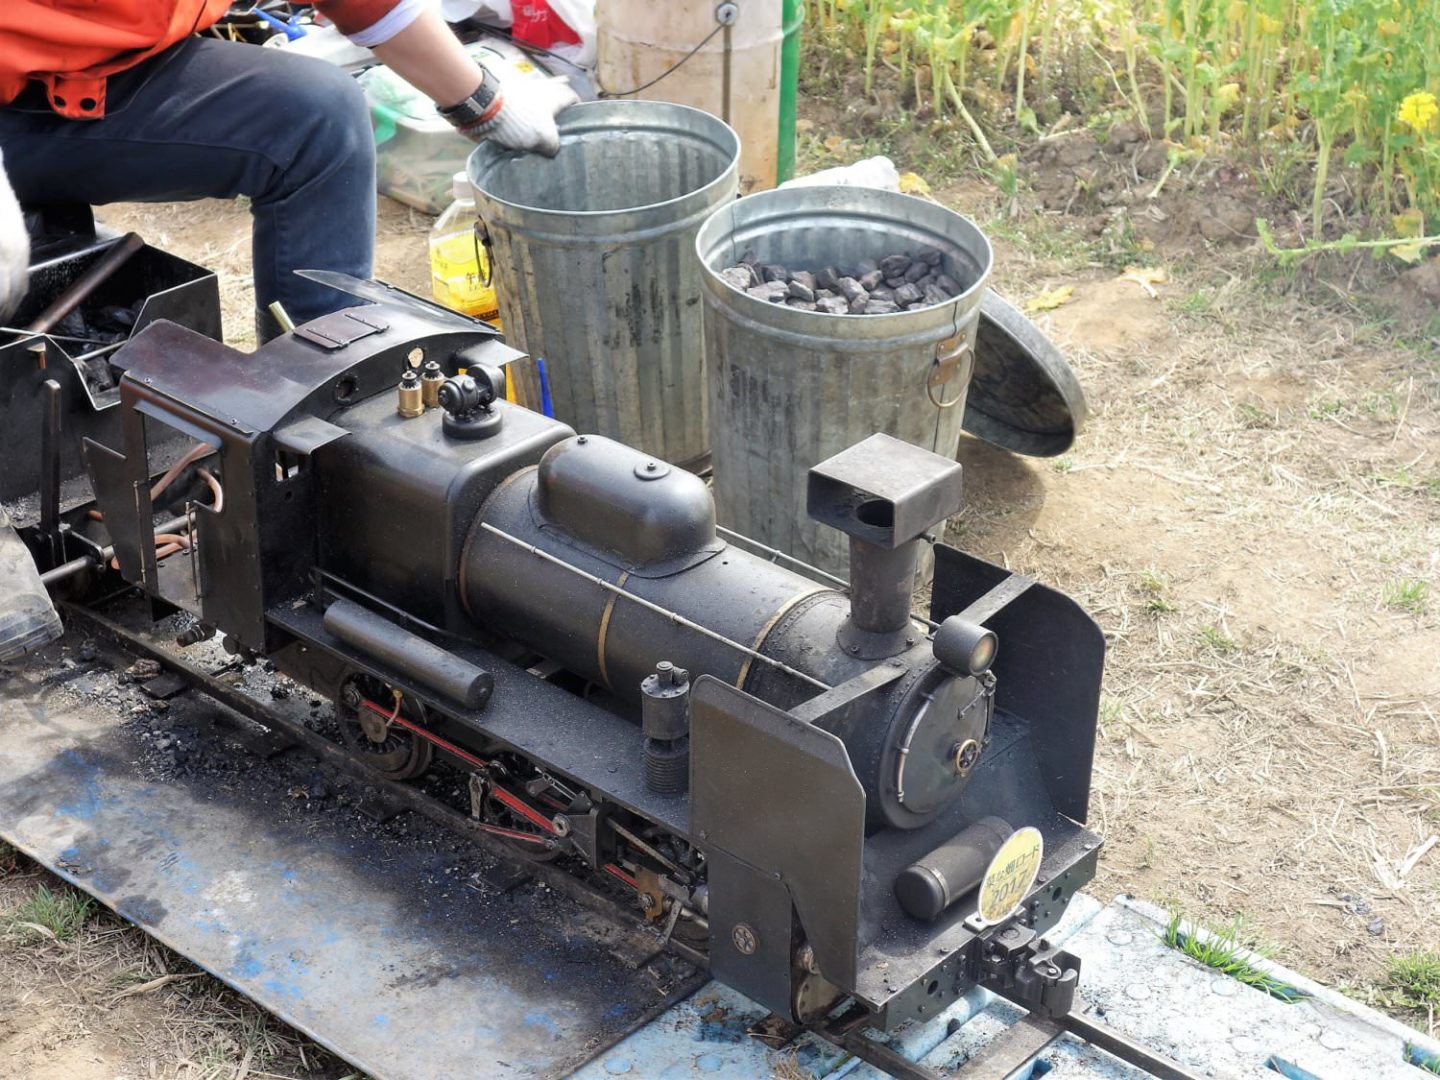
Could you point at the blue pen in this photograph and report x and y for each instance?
(545, 406)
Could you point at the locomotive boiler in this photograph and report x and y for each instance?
(838, 800)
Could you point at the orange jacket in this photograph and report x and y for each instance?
(73, 46)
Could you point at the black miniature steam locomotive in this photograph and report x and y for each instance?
(819, 783)
(839, 800)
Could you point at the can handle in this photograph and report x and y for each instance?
(952, 357)
(482, 239)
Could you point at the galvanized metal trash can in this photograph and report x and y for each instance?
(594, 257)
(789, 387)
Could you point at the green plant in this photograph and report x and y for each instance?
(1403, 480)
(1415, 980)
(1194, 303)
(1410, 247)
(1410, 595)
(1225, 952)
(1312, 86)
(1217, 641)
(1253, 417)
(1157, 593)
(56, 915)
(1323, 408)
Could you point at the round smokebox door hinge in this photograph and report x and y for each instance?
(744, 939)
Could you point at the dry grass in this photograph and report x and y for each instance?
(1252, 517)
(103, 999)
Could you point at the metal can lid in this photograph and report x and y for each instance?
(1023, 394)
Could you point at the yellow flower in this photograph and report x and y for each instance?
(1419, 110)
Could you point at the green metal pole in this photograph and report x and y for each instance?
(792, 19)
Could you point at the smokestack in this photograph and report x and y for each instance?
(885, 495)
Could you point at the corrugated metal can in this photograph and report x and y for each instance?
(593, 252)
(789, 387)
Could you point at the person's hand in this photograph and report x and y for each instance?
(525, 119)
(14, 250)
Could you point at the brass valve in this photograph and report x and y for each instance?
(431, 379)
(411, 401)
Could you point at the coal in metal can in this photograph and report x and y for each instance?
(791, 387)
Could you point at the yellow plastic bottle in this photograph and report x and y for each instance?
(459, 270)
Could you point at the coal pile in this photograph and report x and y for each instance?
(91, 335)
(897, 282)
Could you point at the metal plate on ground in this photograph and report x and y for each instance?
(1134, 983)
(391, 944)
(1023, 393)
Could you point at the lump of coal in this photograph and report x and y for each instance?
(898, 282)
(895, 265)
(772, 291)
(143, 669)
(119, 316)
(738, 276)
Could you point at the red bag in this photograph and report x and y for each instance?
(537, 24)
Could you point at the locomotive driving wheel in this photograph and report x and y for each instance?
(368, 710)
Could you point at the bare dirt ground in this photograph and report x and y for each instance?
(1252, 515)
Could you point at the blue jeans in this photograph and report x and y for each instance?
(216, 119)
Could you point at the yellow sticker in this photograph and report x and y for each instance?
(1010, 875)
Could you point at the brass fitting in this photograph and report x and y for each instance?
(411, 397)
(431, 379)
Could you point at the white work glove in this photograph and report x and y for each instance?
(14, 250)
(524, 120)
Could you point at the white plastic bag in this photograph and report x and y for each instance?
(875, 172)
(579, 15)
